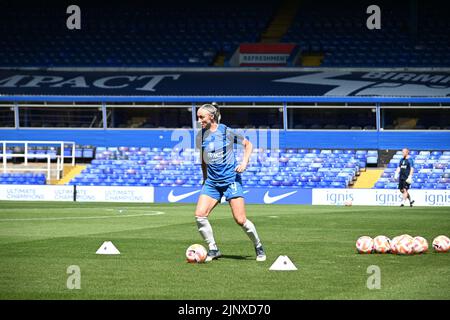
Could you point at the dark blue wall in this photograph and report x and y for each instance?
(96, 137)
(426, 140)
(331, 139)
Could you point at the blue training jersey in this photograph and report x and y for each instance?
(218, 154)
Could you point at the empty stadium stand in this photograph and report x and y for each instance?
(409, 36)
(36, 153)
(302, 168)
(23, 178)
(143, 34)
(164, 34)
(431, 171)
(145, 166)
(23, 161)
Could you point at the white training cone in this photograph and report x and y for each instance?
(283, 263)
(107, 248)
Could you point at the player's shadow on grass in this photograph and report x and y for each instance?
(228, 256)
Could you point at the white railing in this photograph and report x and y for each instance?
(26, 155)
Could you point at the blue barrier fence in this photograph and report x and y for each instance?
(423, 140)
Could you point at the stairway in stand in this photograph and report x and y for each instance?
(281, 22)
(368, 178)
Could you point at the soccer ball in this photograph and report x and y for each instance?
(381, 244)
(441, 244)
(404, 245)
(348, 203)
(364, 244)
(196, 253)
(420, 245)
(393, 243)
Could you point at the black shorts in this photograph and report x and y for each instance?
(402, 184)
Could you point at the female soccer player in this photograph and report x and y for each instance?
(221, 177)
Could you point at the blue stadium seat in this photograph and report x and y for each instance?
(431, 169)
(296, 168)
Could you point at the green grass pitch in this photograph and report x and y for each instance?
(39, 241)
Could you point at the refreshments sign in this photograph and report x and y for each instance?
(265, 54)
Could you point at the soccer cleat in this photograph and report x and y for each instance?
(260, 254)
(402, 205)
(411, 203)
(213, 254)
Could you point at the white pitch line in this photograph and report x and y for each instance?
(155, 213)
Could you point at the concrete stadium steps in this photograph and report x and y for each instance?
(69, 173)
(219, 61)
(311, 59)
(281, 22)
(367, 179)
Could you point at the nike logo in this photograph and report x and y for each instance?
(174, 198)
(268, 199)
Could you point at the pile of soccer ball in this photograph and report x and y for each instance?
(404, 244)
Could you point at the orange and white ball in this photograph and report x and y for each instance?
(196, 253)
(381, 244)
(420, 245)
(441, 243)
(364, 244)
(394, 243)
(404, 245)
